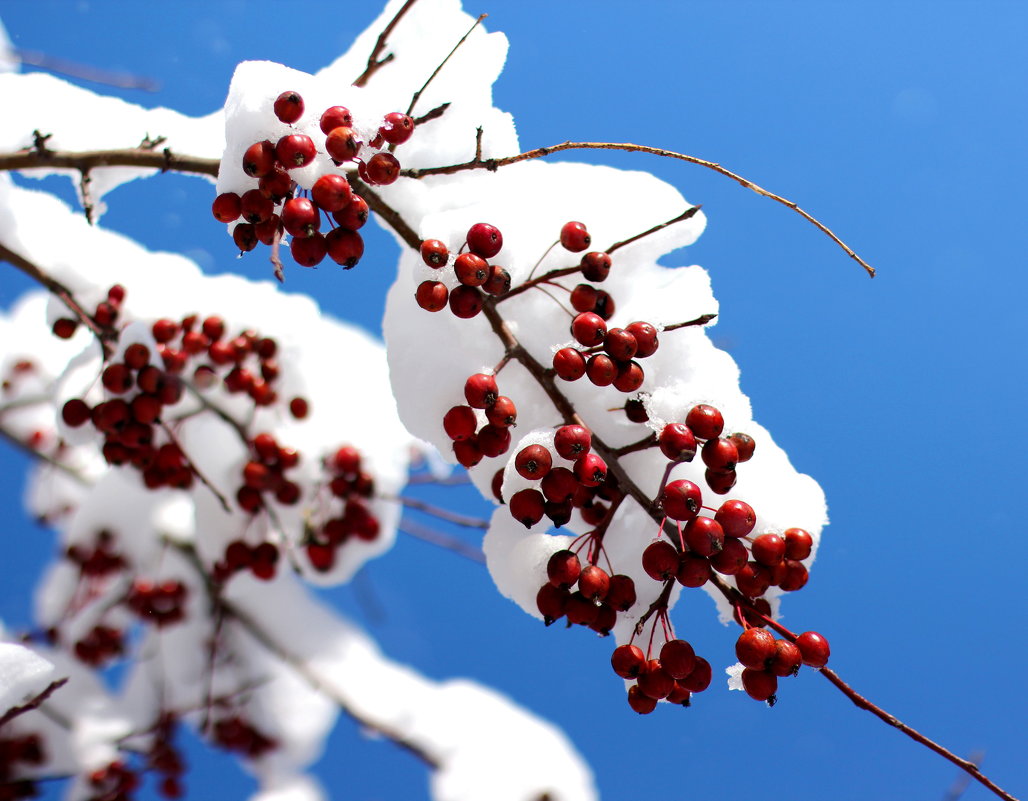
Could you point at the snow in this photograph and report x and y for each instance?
(24, 674)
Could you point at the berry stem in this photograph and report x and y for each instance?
(685, 215)
(493, 164)
(643, 444)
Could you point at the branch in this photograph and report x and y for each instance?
(43, 457)
(163, 160)
(85, 72)
(437, 511)
(417, 94)
(433, 537)
(374, 63)
(493, 164)
(34, 703)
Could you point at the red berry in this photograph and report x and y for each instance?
(620, 344)
(498, 282)
(502, 413)
(768, 549)
(75, 412)
(798, 543)
(574, 237)
(299, 408)
(484, 240)
(719, 454)
(628, 661)
(654, 681)
(677, 442)
(703, 536)
(569, 364)
(635, 411)
(629, 377)
(583, 298)
(225, 207)
(526, 507)
(471, 270)
(786, 660)
(295, 150)
(681, 500)
(164, 330)
(563, 568)
(336, 117)
(559, 485)
(645, 337)
(814, 648)
(572, 441)
(397, 129)
(744, 444)
(465, 302)
(755, 647)
(621, 593)
(731, 558)
(342, 144)
(693, 570)
(677, 658)
(699, 679)
(434, 253)
(760, 685)
(137, 356)
(640, 702)
(353, 216)
(552, 602)
(117, 378)
(332, 192)
(383, 169)
(533, 462)
(753, 579)
(705, 421)
(737, 518)
(322, 557)
(795, 576)
(601, 370)
(432, 295)
(344, 247)
(467, 452)
(594, 582)
(720, 481)
(590, 470)
(309, 251)
(595, 266)
(288, 107)
(660, 560)
(259, 159)
(245, 237)
(589, 329)
(481, 390)
(493, 441)
(275, 186)
(460, 423)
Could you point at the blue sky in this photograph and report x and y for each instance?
(901, 126)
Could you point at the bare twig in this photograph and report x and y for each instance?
(85, 72)
(417, 94)
(685, 215)
(437, 511)
(33, 703)
(71, 472)
(374, 62)
(434, 114)
(433, 537)
(959, 787)
(493, 164)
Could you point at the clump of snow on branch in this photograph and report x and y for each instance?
(24, 674)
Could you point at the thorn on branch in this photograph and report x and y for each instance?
(150, 144)
(435, 113)
(39, 141)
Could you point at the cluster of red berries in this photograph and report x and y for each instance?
(561, 489)
(276, 205)
(104, 315)
(99, 645)
(350, 517)
(705, 423)
(160, 604)
(674, 675)
(472, 441)
(100, 559)
(235, 733)
(264, 474)
(476, 277)
(27, 750)
(164, 758)
(766, 658)
(261, 560)
(588, 596)
(114, 782)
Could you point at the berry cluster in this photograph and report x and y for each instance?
(105, 314)
(589, 596)
(114, 782)
(160, 604)
(164, 758)
(473, 439)
(765, 659)
(674, 675)
(27, 750)
(261, 560)
(235, 733)
(277, 205)
(264, 474)
(476, 278)
(346, 515)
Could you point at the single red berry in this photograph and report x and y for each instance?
(342, 144)
(719, 454)
(571, 441)
(660, 560)
(465, 302)
(309, 251)
(117, 378)
(731, 558)
(737, 518)
(755, 647)
(225, 207)
(300, 217)
(503, 413)
(432, 295)
(259, 159)
(628, 661)
(645, 337)
(681, 500)
(269, 231)
(814, 648)
(295, 150)
(601, 370)
(145, 409)
(336, 117)
(498, 282)
(705, 421)
(481, 390)
(299, 408)
(574, 237)
(744, 444)
(621, 593)
(677, 442)
(75, 412)
(639, 701)
(753, 579)
(275, 186)
(699, 679)
(526, 507)
(137, 356)
(344, 247)
(720, 481)
(704, 536)
(353, 216)
(795, 577)
(760, 685)
(588, 329)
(798, 543)
(322, 557)
(552, 602)
(397, 128)
(434, 253)
(654, 681)
(595, 266)
(629, 377)
(288, 107)
(164, 330)
(493, 441)
(693, 570)
(677, 658)
(332, 192)
(569, 364)
(460, 423)
(559, 485)
(620, 344)
(590, 470)
(583, 298)
(594, 582)
(484, 240)
(563, 568)
(635, 411)
(467, 452)
(245, 237)
(382, 169)
(533, 462)
(768, 549)
(471, 270)
(786, 660)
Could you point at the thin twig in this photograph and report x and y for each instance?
(437, 511)
(374, 63)
(434, 114)
(685, 215)
(433, 537)
(196, 470)
(417, 94)
(85, 72)
(960, 785)
(703, 319)
(71, 472)
(33, 703)
(493, 164)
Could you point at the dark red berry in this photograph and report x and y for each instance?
(574, 237)
(493, 440)
(353, 216)
(533, 462)
(332, 192)
(498, 282)
(753, 579)
(559, 485)
(288, 107)
(703, 536)
(397, 128)
(225, 207)
(465, 302)
(484, 240)
(583, 298)
(336, 117)
(705, 421)
(295, 150)
(681, 500)
(382, 169)
(645, 337)
(744, 444)
(300, 216)
(526, 507)
(755, 647)
(563, 568)
(654, 681)
(620, 344)
(798, 543)
(259, 159)
(677, 658)
(760, 685)
(677, 442)
(64, 328)
(344, 247)
(629, 377)
(731, 558)
(628, 661)
(693, 570)
(720, 481)
(589, 329)
(639, 701)
(814, 648)
(590, 470)
(601, 370)
(75, 412)
(660, 560)
(699, 679)
(503, 413)
(594, 582)
(595, 266)
(719, 454)
(571, 441)
(434, 253)
(552, 602)
(309, 251)
(786, 660)
(768, 549)
(569, 364)
(621, 593)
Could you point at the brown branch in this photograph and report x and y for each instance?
(434, 114)
(44, 457)
(417, 94)
(34, 703)
(493, 164)
(438, 511)
(196, 470)
(85, 72)
(374, 63)
(685, 215)
(703, 319)
(386, 213)
(433, 537)
(163, 160)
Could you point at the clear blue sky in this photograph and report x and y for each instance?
(903, 127)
